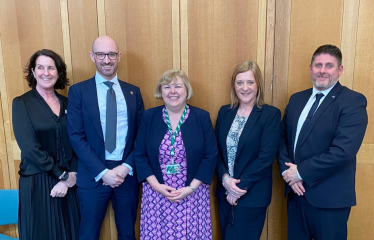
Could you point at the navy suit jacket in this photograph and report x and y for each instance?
(255, 153)
(198, 138)
(326, 150)
(86, 134)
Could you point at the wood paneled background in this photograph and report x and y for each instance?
(206, 39)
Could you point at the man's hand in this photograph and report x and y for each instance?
(112, 179)
(298, 188)
(290, 175)
(121, 171)
(59, 190)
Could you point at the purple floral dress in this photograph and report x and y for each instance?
(162, 219)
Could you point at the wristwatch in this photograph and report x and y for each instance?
(64, 176)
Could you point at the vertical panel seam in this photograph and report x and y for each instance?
(65, 27)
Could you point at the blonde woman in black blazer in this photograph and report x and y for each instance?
(247, 133)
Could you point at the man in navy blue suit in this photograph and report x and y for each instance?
(103, 118)
(321, 132)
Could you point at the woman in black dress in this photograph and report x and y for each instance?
(47, 192)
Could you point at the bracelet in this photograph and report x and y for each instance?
(192, 188)
(224, 179)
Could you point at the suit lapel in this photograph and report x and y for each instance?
(129, 97)
(299, 108)
(226, 123)
(331, 97)
(251, 121)
(90, 99)
(158, 132)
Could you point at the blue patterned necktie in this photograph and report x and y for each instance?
(111, 118)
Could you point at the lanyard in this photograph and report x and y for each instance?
(174, 134)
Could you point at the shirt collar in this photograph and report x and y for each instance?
(99, 79)
(325, 92)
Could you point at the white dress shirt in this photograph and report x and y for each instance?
(122, 119)
(305, 112)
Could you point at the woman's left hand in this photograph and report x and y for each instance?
(72, 179)
(183, 192)
(59, 190)
(232, 199)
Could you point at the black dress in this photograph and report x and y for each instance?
(45, 154)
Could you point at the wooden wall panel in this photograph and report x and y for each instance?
(82, 17)
(363, 72)
(4, 170)
(277, 212)
(361, 220)
(11, 71)
(348, 43)
(146, 44)
(206, 39)
(220, 35)
(311, 26)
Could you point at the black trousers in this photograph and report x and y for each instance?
(306, 222)
(241, 222)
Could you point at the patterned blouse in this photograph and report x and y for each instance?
(232, 140)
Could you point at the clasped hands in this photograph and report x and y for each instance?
(116, 176)
(234, 192)
(290, 176)
(172, 194)
(61, 188)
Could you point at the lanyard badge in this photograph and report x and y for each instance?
(173, 168)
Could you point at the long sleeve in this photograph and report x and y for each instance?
(266, 155)
(220, 166)
(139, 114)
(347, 140)
(31, 149)
(142, 163)
(78, 138)
(207, 165)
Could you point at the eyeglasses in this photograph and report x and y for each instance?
(111, 55)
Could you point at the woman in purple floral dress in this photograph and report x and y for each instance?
(175, 157)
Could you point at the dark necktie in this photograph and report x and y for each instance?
(313, 108)
(111, 118)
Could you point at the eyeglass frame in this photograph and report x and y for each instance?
(106, 54)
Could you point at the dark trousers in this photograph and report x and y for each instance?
(241, 222)
(93, 204)
(306, 222)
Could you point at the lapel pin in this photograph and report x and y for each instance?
(131, 93)
(333, 96)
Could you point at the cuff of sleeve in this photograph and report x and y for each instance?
(57, 171)
(131, 171)
(297, 171)
(98, 177)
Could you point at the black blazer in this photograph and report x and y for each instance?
(198, 139)
(326, 150)
(255, 153)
